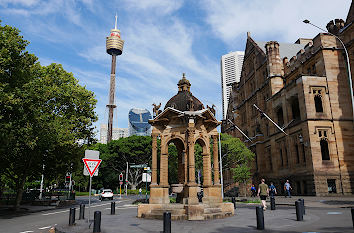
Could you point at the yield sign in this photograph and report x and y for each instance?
(92, 165)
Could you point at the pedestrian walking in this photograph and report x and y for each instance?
(140, 190)
(263, 192)
(272, 190)
(287, 188)
(253, 191)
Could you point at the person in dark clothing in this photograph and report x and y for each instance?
(272, 190)
(253, 191)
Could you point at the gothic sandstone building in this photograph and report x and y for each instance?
(304, 88)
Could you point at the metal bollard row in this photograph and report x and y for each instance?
(72, 216)
(113, 208)
(167, 222)
(272, 203)
(82, 212)
(97, 222)
(303, 205)
(352, 211)
(260, 217)
(234, 202)
(299, 211)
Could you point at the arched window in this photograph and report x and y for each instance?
(318, 103)
(324, 149)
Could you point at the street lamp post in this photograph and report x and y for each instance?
(347, 60)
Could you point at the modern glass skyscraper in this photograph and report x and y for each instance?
(138, 122)
(231, 66)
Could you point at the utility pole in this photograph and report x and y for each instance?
(114, 47)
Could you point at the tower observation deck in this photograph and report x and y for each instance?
(114, 47)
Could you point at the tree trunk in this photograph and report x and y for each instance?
(133, 186)
(19, 192)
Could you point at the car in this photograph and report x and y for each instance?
(106, 194)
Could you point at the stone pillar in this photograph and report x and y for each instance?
(206, 170)
(185, 164)
(191, 189)
(216, 159)
(154, 160)
(191, 159)
(164, 170)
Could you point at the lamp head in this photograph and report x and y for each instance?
(306, 21)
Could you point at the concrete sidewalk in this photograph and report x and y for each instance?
(283, 219)
(320, 202)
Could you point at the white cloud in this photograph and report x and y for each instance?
(26, 3)
(162, 7)
(274, 19)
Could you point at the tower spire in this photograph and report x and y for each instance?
(115, 26)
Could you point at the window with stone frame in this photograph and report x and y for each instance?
(295, 108)
(281, 157)
(314, 69)
(286, 155)
(318, 93)
(297, 153)
(303, 153)
(280, 116)
(322, 134)
(269, 157)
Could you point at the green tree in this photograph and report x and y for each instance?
(236, 157)
(44, 113)
(116, 154)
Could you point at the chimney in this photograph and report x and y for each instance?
(275, 66)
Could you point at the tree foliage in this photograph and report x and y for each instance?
(236, 157)
(44, 112)
(115, 155)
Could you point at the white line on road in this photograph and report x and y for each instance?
(58, 212)
(42, 228)
(122, 208)
(26, 231)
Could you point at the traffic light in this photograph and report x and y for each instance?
(120, 177)
(67, 178)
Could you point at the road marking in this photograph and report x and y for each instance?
(42, 228)
(122, 208)
(26, 231)
(334, 213)
(58, 212)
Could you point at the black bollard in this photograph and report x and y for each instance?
(299, 211)
(72, 216)
(167, 222)
(234, 202)
(113, 208)
(303, 205)
(82, 211)
(97, 222)
(272, 203)
(260, 217)
(352, 210)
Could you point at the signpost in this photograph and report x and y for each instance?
(120, 185)
(146, 179)
(91, 162)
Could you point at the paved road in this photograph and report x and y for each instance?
(281, 220)
(44, 220)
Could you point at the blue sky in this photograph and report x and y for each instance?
(163, 39)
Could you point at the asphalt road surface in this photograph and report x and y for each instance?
(44, 220)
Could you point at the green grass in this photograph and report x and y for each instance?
(81, 193)
(256, 201)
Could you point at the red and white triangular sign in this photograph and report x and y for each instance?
(92, 165)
